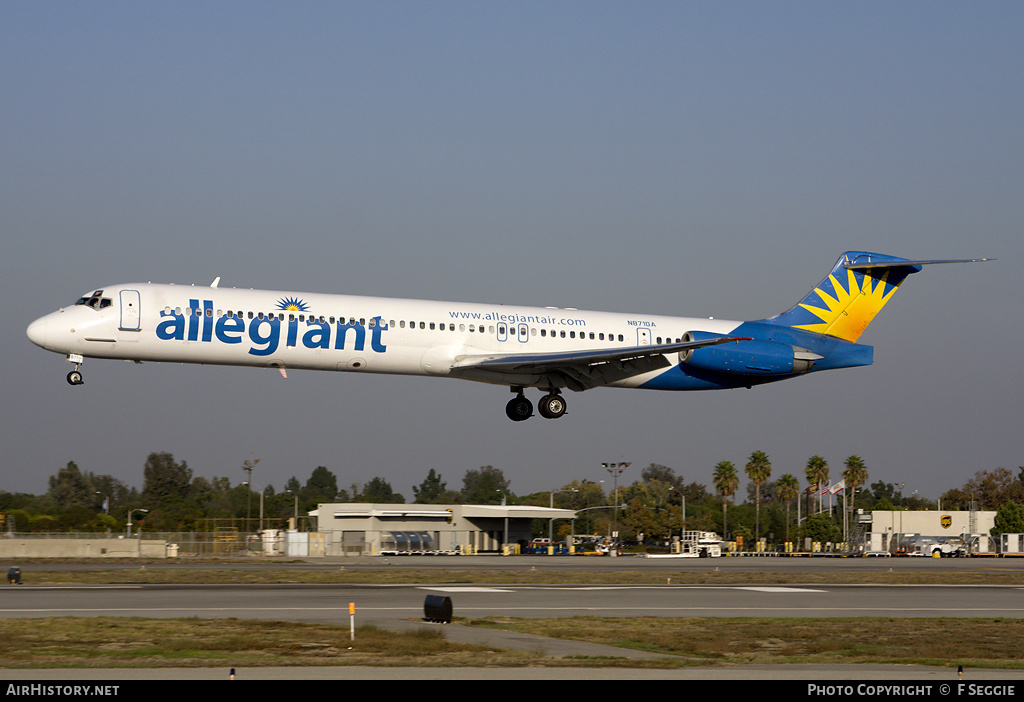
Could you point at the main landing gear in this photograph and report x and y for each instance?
(519, 408)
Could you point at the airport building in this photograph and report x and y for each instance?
(352, 528)
(887, 531)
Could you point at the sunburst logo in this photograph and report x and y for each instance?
(292, 304)
(848, 309)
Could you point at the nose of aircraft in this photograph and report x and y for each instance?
(37, 332)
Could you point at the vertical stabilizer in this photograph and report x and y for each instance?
(844, 303)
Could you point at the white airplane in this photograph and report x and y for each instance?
(546, 348)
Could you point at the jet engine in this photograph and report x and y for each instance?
(753, 357)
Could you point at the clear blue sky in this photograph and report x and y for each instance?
(704, 159)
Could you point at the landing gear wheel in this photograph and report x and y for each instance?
(552, 406)
(75, 378)
(519, 408)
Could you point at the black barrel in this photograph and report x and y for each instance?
(437, 608)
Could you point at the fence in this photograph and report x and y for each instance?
(222, 542)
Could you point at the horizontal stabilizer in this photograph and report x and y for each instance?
(858, 265)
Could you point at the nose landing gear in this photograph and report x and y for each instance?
(75, 376)
(519, 408)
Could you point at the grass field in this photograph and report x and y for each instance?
(130, 642)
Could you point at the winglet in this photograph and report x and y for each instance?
(216, 282)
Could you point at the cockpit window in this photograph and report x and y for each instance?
(96, 301)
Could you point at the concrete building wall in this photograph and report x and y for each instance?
(82, 548)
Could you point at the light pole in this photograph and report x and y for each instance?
(247, 466)
(296, 519)
(682, 511)
(130, 512)
(616, 470)
(504, 503)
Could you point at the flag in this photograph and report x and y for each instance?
(838, 487)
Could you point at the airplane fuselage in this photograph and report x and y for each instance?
(311, 331)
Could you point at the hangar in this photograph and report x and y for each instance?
(356, 528)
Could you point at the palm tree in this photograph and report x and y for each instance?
(854, 475)
(758, 469)
(726, 481)
(817, 474)
(788, 489)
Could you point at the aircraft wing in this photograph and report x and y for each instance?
(577, 370)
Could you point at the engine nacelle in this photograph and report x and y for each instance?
(754, 357)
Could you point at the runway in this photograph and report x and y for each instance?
(386, 605)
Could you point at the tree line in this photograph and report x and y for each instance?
(654, 506)
(173, 499)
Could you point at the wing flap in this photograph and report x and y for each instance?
(577, 370)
